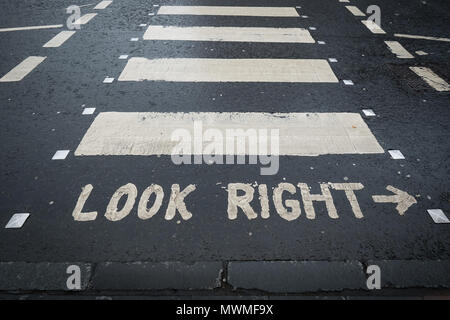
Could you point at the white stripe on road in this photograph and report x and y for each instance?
(102, 5)
(85, 18)
(54, 26)
(399, 35)
(397, 49)
(228, 70)
(230, 11)
(373, 27)
(300, 134)
(59, 39)
(355, 11)
(22, 69)
(291, 35)
(431, 78)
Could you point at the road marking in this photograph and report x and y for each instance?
(348, 82)
(123, 57)
(17, 220)
(102, 5)
(397, 49)
(373, 27)
(399, 35)
(346, 1)
(321, 42)
(301, 134)
(134, 39)
(334, 60)
(401, 198)
(355, 11)
(431, 78)
(421, 53)
(60, 155)
(22, 69)
(85, 18)
(369, 112)
(54, 26)
(228, 70)
(396, 154)
(292, 35)
(108, 80)
(229, 11)
(88, 111)
(59, 39)
(438, 216)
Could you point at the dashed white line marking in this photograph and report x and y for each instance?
(108, 80)
(143, 25)
(348, 82)
(123, 57)
(230, 11)
(396, 154)
(431, 78)
(300, 134)
(334, 60)
(305, 17)
(60, 155)
(151, 14)
(22, 69)
(17, 220)
(53, 26)
(421, 53)
(355, 11)
(59, 39)
(242, 34)
(134, 39)
(369, 112)
(410, 36)
(312, 28)
(397, 49)
(102, 5)
(88, 111)
(346, 1)
(85, 18)
(321, 42)
(373, 27)
(228, 70)
(438, 216)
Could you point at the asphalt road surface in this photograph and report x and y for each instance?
(337, 201)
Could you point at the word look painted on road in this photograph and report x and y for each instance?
(241, 197)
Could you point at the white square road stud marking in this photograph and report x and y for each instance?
(229, 11)
(228, 70)
(332, 60)
(396, 154)
(143, 25)
(88, 111)
(108, 80)
(60, 155)
(134, 39)
(348, 82)
(123, 57)
(22, 69)
(17, 220)
(238, 34)
(369, 112)
(321, 42)
(300, 134)
(438, 216)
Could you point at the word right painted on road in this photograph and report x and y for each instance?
(287, 199)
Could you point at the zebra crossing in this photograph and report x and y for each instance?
(302, 134)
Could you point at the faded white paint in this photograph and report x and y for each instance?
(228, 70)
(112, 211)
(355, 11)
(431, 78)
(349, 189)
(326, 197)
(401, 198)
(242, 34)
(229, 11)
(397, 49)
(300, 134)
(84, 19)
(373, 27)
(410, 36)
(102, 5)
(176, 202)
(22, 69)
(59, 39)
(78, 214)
(52, 26)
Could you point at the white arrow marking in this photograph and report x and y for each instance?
(401, 198)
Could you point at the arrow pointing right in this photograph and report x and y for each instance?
(401, 198)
